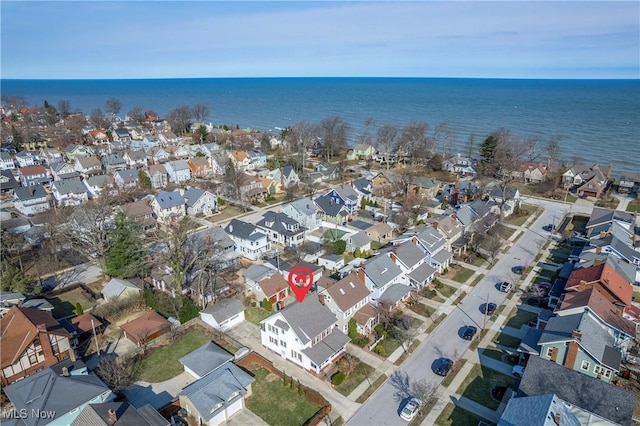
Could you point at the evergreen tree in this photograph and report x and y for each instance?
(79, 310)
(488, 153)
(144, 179)
(125, 258)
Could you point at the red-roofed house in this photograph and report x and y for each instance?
(606, 279)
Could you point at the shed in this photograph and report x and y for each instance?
(145, 328)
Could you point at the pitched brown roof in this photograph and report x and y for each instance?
(33, 170)
(365, 313)
(274, 284)
(347, 292)
(600, 305)
(19, 327)
(137, 209)
(199, 161)
(83, 322)
(607, 276)
(157, 169)
(89, 161)
(147, 325)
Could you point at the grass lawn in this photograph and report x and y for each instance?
(371, 389)
(162, 363)
(493, 352)
(518, 318)
(520, 220)
(375, 245)
(268, 391)
(64, 304)
(634, 206)
(227, 213)
(478, 384)
(422, 309)
(506, 232)
(447, 291)
(428, 293)
(453, 373)
(390, 345)
(355, 377)
(507, 340)
(255, 314)
(435, 323)
(463, 275)
(454, 415)
(478, 261)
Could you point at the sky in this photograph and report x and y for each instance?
(171, 39)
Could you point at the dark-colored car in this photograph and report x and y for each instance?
(488, 308)
(468, 332)
(443, 366)
(518, 269)
(548, 228)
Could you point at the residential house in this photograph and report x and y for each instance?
(31, 200)
(178, 171)
(224, 314)
(347, 196)
(61, 170)
(69, 192)
(606, 279)
(305, 212)
(453, 231)
(380, 232)
(58, 393)
(8, 181)
(274, 288)
(140, 213)
(113, 162)
(249, 240)
(98, 137)
(305, 334)
(152, 141)
(6, 161)
(315, 149)
(257, 159)
(126, 179)
(87, 165)
(478, 216)
(281, 229)
(529, 172)
(433, 244)
(200, 167)
(167, 137)
(83, 327)
(241, 160)
(156, 155)
(250, 187)
(463, 166)
(413, 263)
(380, 273)
(25, 159)
(425, 188)
(73, 151)
(117, 289)
(288, 177)
(363, 151)
(217, 246)
(121, 134)
(145, 328)
(200, 201)
(271, 186)
(256, 273)
(219, 161)
(119, 414)
(345, 298)
(460, 191)
(50, 155)
(9, 299)
(602, 220)
(135, 159)
(158, 176)
(33, 175)
(588, 181)
(331, 211)
(380, 185)
(331, 262)
(220, 390)
(169, 207)
(97, 184)
(359, 241)
(327, 171)
(31, 340)
(542, 377)
(629, 183)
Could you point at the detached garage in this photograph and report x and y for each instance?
(224, 314)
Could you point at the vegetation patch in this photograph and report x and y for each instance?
(452, 415)
(477, 280)
(504, 339)
(255, 314)
(519, 317)
(422, 309)
(446, 382)
(478, 383)
(493, 352)
(269, 391)
(447, 291)
(64, 304)
(634, 206)
(435, 323)
(162, 363)
(463, 275)
(355, 372)
(412, 347)
(227, 213)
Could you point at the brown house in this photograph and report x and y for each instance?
(601, 276)
(31, 341)
(141, 213)
(275, 288)
(200, 167)
(146, 328)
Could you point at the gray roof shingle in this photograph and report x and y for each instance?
(206, 359)
(307, 319)
(224, 309)
(167, 200)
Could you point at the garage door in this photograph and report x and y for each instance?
(234, 408)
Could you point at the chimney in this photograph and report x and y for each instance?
(597, 262)
(435, 225)
(572, 353)
(321, 299)
(361, 273)
(598, 250)
(582, 286)
(394, 257)
(65, 372)
(577, 334)
(456, 185)
(557, 418)
(113, 417)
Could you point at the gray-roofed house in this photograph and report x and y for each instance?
(158, 176)
(113, 162)
(8, 299)
(358, 241)
(121, 134)
(120, 289)
(31, 200)
(217, 396)
(178, 171)
(8, 181)
(224, 314)
(413, 263)
(305, 211)
(205, 360)
(347, 196)
(332, 212)
(168, 206)
(281, 229)
(135, 159)
(580, 342)
(331, 262)
(119, 414)
(249, 240)
(542, 377)
(379, 273)
(98, 183)
(344, 298)
(60, 391)
(256, 273)
(85, 165)
(200, 201)
(305, 334)
(546, 410)
(433, 243)
(69, 192)
(126, 179)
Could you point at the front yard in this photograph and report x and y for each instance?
(64, 304)
(504, 339)
(478, 384)
(255, 314)
(634, 206)
(462, 275)
(356, 372)
(162, 364)
(518, 317)
(227, 213)
(276, 403)
(453, 415)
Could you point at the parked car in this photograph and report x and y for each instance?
(443, 366)
(548, 227)
(518, 370)
(468, 332)
(505, 286)
(518, 269)
(488, 308)
(409, 411)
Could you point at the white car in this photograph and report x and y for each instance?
(409, 411)
(517, 370)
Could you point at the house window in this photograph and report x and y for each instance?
(33, 359)
(283, 343)
(601, 371)
(585, 365)
(549, 352)
(273, 340)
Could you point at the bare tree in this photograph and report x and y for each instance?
(532, 148)
(200, 112)
(386, 139)
(136, 115)
(113, 106)
(64, 108)
(334, 132)
(14, 101)
(553, 150)
(302, 134)
(425, 391)
(365, 137)
(471, 145)
(179, 119)
(119, 372)
(182, 254)
(97, 117)
(443, 135)
(414, 141)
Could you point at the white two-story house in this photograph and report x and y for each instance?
(178, 171)
(168, 206)
(305, 334)
(433, 243)
(384, 279)
(249, 241)
(200, 201)
(31, 200)
(305, 212)
(281, 229)
(413, 263)
(69, 192)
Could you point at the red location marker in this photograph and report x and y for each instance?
(300, 280)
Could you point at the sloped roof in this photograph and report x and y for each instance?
(408, 253)
(86, 322)
(88, 161)
(395, 293)
(29, 193)
(421, 273)
(607, 276)
(305, 206)
(327, 347)
(347, 292)
(537, 410)
(69, 186)
(244, 230)
(279, 223)
(33, 170)
(167, 200)
(127, 415)
(381, 270)
(224, 309)
(359, 239)
(273, 284)
(307, 319)
(600, 215)
(116, 286)
(206, 359)
(326, 204)
(137, 209)
(146, 325)
(19, 327)
(363, 314)
(431, 239)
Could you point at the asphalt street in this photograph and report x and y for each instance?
(384, 406)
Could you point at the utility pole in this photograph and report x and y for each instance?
(486, 310)
(95, 337)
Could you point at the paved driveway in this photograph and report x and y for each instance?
(157, 394)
